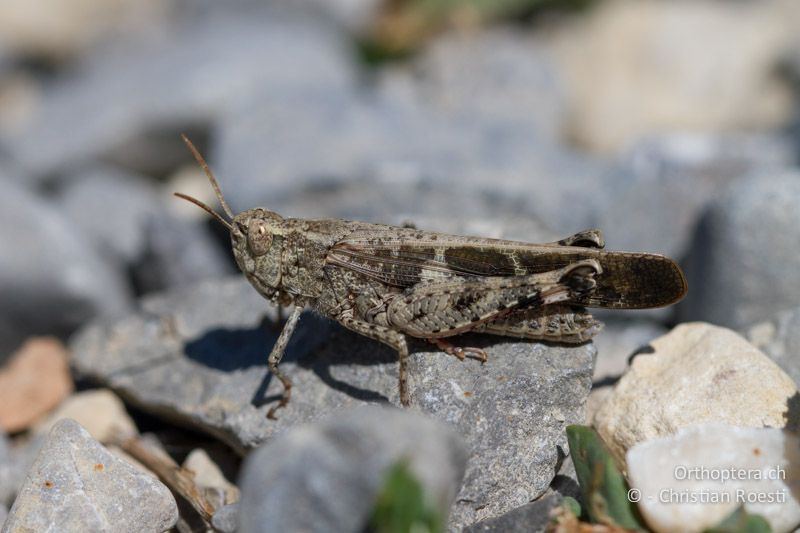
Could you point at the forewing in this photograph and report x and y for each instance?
(403, 257)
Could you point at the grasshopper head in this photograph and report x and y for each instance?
(257, 242)
(254, 234)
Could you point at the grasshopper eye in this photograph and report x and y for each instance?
(259, 238)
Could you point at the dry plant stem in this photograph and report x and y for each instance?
(178, 479)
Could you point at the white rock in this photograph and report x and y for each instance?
(208, 475)
(99, 411)
(694, 479)
(697, 373)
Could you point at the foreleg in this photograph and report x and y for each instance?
(276, 355)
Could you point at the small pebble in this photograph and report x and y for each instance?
(208, 475)
(33, 381)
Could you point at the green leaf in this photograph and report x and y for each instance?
(603, 488)
(741, 522)
(572, 505)
(402, 507)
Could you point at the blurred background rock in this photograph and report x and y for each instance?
(672, 125)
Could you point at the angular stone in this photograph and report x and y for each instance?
(696, 373)
(199, 356)
(75, 485)
(287, 485)
(779, 338)
(743, 254)
(100, 412)
(692, 480)
(34, 381)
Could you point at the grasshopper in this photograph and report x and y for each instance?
(389, 283)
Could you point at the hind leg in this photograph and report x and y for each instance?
(391, 338)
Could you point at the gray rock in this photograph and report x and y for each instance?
(456, 210)
(501, 77)
(618, 342)
(664, 183)
(287, 484)
(178, 254)
(3, 514)
(779, 338)
(226, 519)
(345, 15)
(127, 99)
(566, 481)
(7, 469)
(51, 278)
(200, 356)
(14, 463)
(110, 206)
(76, 485)
(407, 133)
(742, 264)
(128, 221)
(519, 227)
(532, 517)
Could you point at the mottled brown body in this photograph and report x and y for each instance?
(388, 282)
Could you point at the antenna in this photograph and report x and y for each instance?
(205, 208)
(209, 175)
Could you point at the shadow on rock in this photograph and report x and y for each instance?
(233, 349)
